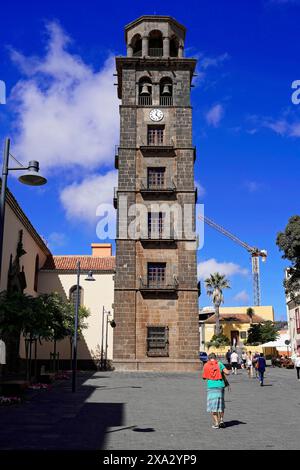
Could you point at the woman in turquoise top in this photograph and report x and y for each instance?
(212, 372)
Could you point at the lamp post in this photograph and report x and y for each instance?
(113, 325)
(102, 339)
(32, 177)
(74, 355)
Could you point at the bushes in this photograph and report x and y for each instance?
(218, 341)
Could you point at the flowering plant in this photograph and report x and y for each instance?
(62, 376)
(9, 400)
(39, 386)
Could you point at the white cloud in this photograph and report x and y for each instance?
(214, 115)
(207, 62)
(200, 188)
(210, 266)
(80, 200)
(253, 186)
(287, 125)
(66, 113)
(56, 240)
(242, 297)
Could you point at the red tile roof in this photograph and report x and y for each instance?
(87, 263)
(235, 318)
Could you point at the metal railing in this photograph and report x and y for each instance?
(155, 51)
(167, 185)
(166, 100)
(145, 100)
(168, 283)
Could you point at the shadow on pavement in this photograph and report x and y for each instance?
(144, 430)
(59, 419)
(229, 424)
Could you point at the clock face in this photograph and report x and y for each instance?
(156, 115)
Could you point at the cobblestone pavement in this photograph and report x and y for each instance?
(155, 411)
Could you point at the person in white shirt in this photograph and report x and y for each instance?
(244, 360)
(250, 364)
(234, 360)
(296, 361)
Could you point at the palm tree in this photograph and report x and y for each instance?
(214, 288)
(250, 312)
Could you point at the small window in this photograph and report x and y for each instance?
(155, 224)
(158, 341)
(243, 334)
(73, 295)
(155, 135)
(156, 178)
(156, 274)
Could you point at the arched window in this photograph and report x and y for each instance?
(73, 295)
(155, 44)
(36, 273)
(145, 91)
(166, 92)
(174, 46)
(136, 44)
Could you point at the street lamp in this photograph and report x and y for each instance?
(74, 360)
(113, 325)
(32, 177)
(102, 339)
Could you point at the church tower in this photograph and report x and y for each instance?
(156, 290)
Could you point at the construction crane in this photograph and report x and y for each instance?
(256, 253)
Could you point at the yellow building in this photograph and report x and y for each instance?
(235, 324)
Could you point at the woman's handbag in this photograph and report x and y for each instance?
(224, 378)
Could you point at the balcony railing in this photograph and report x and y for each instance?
(115, 199)
(116, 157)
(165, 187)
(155, 51)
(166, 100)
(169, 284)
(156, 149)
(145, 100)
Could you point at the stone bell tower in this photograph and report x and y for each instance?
(156, 290)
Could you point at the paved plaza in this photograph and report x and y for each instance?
(155, 411)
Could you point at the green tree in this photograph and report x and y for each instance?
(262, 333)
(254, 334)
(215, 284)
(289, 242)
(250, 312)
(15, 309)
(218, 341)
(268, 332)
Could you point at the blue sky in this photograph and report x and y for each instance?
(57, 61)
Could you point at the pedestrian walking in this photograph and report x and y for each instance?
(254, 364)
(296, 361)
(228, 355)
(244, 360)
(261, 367)
(234, 360)
(250, 364)
(214, 372)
